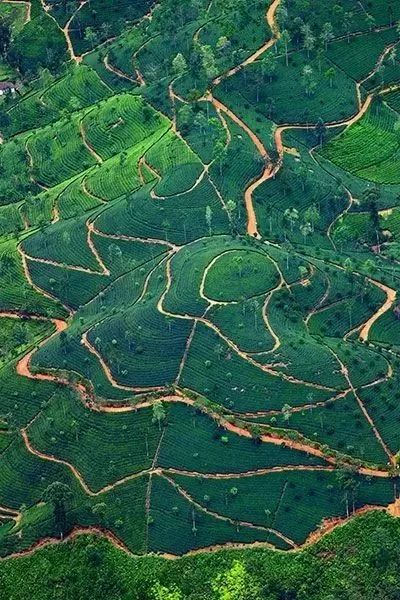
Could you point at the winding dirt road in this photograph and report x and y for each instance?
(270, 18)
(302, 445)
(25, 3)
(388, 305)
(117, 71)
(268, 171)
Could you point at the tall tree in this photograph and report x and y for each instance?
(285, 40)
(327, 34)
(209, 215)
(5, 37)
(320, 130)
(179, 64)
(159, 414)
(308, 80)
(291, 215)
(330, 75)
(58, 494)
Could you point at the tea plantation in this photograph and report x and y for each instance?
(199, 267)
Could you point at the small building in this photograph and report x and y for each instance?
(7, 87)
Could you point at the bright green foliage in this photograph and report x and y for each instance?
(199, 327)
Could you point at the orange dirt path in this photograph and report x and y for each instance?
(270, 17)
(390, 300)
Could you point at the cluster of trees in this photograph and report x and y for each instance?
(294, 14)
(359, 559)
(372, 233)
(5, 37)
(96, 23)
(200, 63)
(40, 44)
(306, 223)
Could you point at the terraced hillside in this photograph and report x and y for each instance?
(199, 266)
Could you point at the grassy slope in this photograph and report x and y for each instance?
(358, 560)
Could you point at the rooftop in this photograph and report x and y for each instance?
(7, 85)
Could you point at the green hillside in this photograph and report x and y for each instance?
(199, 267)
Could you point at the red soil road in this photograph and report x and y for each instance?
(23, 365)
(159, 470)
(129, 238)
(107, 371)
(28, 277)
(270, 17)
(345, 122)
(54, 263)
(220, 517)
(270, 438)
(23, 368)
(61, 325)
(77, 531)
(74, 470)
(390, 300)
(90, 228)
(246, 356)
(117, 71)
(268, 172)
(27, 6)
(329, 525)
(326, 528)
(65, 31)
(88, 146)
(330, 125)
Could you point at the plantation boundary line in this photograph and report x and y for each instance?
(320, 303)
(220, 517)
(263, 367)
(116, 71)
(280, 500)
(88, 146)
(54, 263)
(28, 7)
(74, 470)
(149, 487)
(366, 414)
(28, 152)
(294, 409)
(128, 238)
(89, 193)
(244, 474)
(92, 246)
(323, 530)
(186, 352)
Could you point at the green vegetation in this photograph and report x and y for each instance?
(359, 558)
(199, 277)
